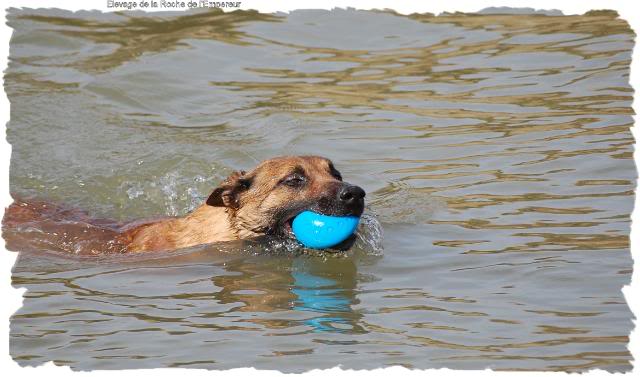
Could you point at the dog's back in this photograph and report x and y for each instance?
(38, 225)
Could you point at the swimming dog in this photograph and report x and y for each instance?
(246, 205)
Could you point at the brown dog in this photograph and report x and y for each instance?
(246, 205)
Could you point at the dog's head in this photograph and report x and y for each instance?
(265, 200)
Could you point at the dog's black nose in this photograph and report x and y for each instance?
(351, 195)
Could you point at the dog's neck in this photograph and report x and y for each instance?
(207, 224)
(208, 221)
(217, 221)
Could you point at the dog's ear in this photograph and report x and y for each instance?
(226, 195)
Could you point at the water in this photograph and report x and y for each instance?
(495, 150)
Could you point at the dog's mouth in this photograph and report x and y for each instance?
(283, 218)
(285, 230)
(284, 227)
(287, 227)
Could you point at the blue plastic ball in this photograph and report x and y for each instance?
(317, 231)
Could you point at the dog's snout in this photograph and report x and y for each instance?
(351, 195)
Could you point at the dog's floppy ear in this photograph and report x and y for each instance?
(226, 195)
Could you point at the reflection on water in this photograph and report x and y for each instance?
(495, 150)
(318, 293)
(323, 290)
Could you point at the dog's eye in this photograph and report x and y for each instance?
(294, 180)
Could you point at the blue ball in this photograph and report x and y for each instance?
(317, 231)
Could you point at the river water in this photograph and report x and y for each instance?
(495, 150)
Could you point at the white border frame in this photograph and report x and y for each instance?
(11, 298)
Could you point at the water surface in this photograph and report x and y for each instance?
(495, 150)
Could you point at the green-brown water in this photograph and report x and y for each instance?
(495, 150)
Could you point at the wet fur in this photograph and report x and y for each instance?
(245, 205)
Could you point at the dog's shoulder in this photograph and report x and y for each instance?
(204, 225)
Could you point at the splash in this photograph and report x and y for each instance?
(369, 235)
